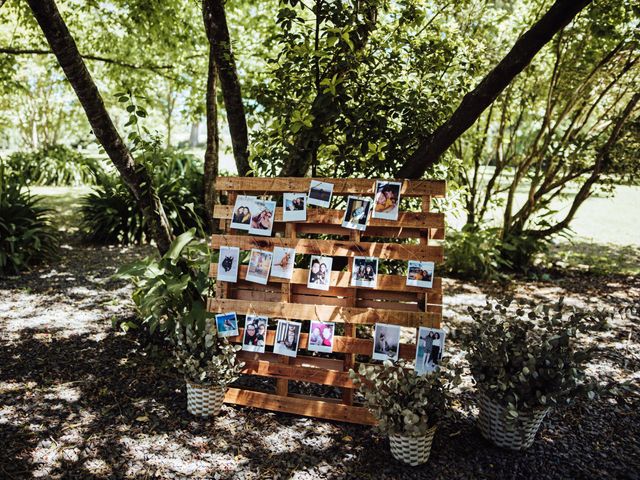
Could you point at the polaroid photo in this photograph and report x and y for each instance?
(262, 217)
(283, 260)
(227, 324)
(320, 193)
(259, 266)
(420, 274)
(321, 337)
(320, 272)
(228, 264)
(387, 200)
(294, 207)
(255, 333)
(386, 342)
(365, 272)
(287, 338)
(357, 213)
(242, 212)
(429, 349)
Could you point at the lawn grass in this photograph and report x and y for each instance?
(65, 202)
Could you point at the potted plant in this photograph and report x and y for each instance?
(208, 363)
(525, 360)
(407, 406)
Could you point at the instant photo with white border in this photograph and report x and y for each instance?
(386, 342)
(228, 260)
(386, 201)
(259, 266)
(429, 349)
(319, 272)
(420, 274)
(241, 220)
(258, 341)
(263, 217)
(356, 216)
(322, 340)
(282, 262)
(287, 339)
(365, 272)
(229, 324)
(294, 207)
(320, 193)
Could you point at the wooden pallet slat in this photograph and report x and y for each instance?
(341, 186)
(324, 313)
(391, 301)
(334, 248)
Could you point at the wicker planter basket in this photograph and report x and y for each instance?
(517, 436)
(412, 450)
(204, 400)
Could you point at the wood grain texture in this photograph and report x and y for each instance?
(325, 313)
(300, 405)
(340, 280)
(341, 186)
(334, 248)
(316, 216)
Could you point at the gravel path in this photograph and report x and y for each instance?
(78, 399)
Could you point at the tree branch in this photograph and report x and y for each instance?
(476, 101)
(135, 176)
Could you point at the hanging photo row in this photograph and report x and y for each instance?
(386, 339)
(257, 216)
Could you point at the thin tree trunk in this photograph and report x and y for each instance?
(476, 101)
(211, 153)
(599, 165)
(215, 22)
(135, 176)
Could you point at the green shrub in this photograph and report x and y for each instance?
(26, 233)
(110, 214)
(526, 356)
(54, 165)
(519, 252)
(474, 253)
(173, 289)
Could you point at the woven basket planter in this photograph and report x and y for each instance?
(516, 436)
(412, 450)
(204, 400)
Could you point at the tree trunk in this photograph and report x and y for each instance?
(215, 22)
(211, 153)
(135, 176)
(476, 101)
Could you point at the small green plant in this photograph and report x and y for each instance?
(26, 233)
(202, 357)
(404, 403)
(110, 214)
(474, 253)
(172, 289)
(54, 165)
(525, 356)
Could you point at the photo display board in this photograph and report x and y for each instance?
(390, 301)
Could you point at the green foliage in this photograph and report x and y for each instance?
(519, 251)
(172, 290)
(526, 356)
(204, 358)
(363, 90)
(474, 253)
(404, 403)
(110, 214)
(26, 233)
(54, 165)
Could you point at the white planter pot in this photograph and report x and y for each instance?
(204, 400)
(516, 436)
(411, 449)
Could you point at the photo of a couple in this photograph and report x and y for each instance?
(320, 272)
(429, 349)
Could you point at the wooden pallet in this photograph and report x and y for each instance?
(392, 301)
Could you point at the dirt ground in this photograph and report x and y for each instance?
(79, 399)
